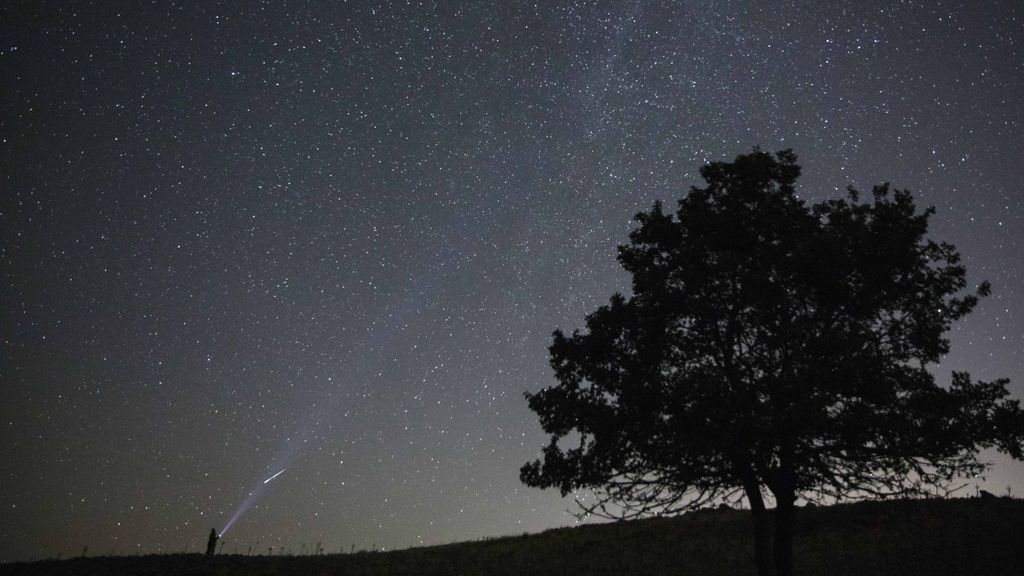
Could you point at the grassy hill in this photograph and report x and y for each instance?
(950, 537)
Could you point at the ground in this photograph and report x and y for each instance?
(950, 537)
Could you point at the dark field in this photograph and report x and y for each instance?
(949, 537)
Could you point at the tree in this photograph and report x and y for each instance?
(770, 351)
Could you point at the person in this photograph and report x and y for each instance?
(211, 542)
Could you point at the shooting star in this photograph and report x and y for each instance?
(275, 475)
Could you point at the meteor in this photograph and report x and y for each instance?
(274, 476)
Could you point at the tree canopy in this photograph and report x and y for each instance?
(770, 348)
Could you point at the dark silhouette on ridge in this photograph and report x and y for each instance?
(211, 542)
(770, 351)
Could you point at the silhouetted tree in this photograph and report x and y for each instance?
(769, 351)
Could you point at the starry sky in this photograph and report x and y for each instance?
(334, 238)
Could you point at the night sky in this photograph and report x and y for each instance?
(335, 238)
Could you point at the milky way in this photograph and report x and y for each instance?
(337, 237)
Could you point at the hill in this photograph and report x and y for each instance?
(952, 537)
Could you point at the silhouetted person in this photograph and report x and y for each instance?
(211, 542)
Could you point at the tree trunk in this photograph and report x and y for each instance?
(785, 518)
(762, 527)
(785, 524)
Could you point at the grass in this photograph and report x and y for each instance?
(906, 537)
